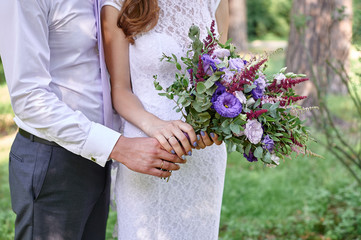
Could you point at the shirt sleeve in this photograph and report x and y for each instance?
(115, 3)
(25, 53)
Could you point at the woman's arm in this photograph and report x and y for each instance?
(222, 18)
(116, 50)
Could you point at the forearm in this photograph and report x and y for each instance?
(131, 109)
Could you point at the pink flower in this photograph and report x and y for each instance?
(253, 131)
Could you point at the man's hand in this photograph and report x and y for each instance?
(145, 155)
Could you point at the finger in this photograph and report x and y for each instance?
(201, 144)
(159, 173)
(192, 137)
(164, 155)
(207, 141)
(169, 166)
(165, 144)
(176, 145)
(184, 141)
(215, 139)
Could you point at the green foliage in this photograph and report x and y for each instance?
(2, 76)
(300, 199)
(268, 16)
(356, 24)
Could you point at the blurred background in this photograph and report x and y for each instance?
(305, 197)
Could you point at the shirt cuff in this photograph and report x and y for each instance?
(99, 144)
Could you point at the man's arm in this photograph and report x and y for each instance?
(25, 54)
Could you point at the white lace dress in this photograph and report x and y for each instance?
(189, 205)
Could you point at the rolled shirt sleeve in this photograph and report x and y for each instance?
(25, 53)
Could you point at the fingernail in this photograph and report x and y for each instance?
(173, 152)
(212, 135)
(202, 133)
(198, 137)
(195, 144)
(190, 153)
(184, 157)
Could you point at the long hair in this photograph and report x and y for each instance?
(137, 16)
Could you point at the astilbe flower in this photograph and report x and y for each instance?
(287, 100)
(295, 141)
(208, 42)
(256, 113)
(285, 84)
(200, 71)
(246, 77)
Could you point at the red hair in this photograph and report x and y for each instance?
(137, 16)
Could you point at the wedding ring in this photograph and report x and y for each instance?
(161, 166)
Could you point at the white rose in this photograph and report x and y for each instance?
(253, 131)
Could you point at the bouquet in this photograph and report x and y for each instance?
(218, 91)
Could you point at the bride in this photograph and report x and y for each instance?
(136, 34)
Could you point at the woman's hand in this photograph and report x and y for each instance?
(179, 138)
(204, 140)
(176, 137)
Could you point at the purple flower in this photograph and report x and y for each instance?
(227, 105)
(228, 75)
(253, 131)
(236, 64)
(209, 64)
(250, 157)
(260, 87)
(221, 53)
(268, 143)
(219, 91)
(257, 93)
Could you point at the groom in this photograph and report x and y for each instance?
(60, 160)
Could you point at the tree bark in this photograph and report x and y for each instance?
(319, 33)
(238, 23)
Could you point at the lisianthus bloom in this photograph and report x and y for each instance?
(227, 105)
(250, 157)
(228, 75)
(260, 87)
(241, 97)
(221, 53)
(219, 91)
(236, 64)
(209, 64)
(268, 143)
(253, 131)
(257, 93)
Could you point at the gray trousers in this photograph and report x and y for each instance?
(55, 194)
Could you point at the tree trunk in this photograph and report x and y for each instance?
(238, 23)
(319, 33)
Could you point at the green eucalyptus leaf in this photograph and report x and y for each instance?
(258, 153)
(201, 88)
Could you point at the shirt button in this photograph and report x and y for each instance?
(93, 159)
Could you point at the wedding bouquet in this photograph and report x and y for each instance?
(222, 93)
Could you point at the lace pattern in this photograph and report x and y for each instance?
(188, 206)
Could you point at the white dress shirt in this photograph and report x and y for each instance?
(51, 62)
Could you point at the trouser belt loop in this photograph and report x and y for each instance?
(31, 137)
